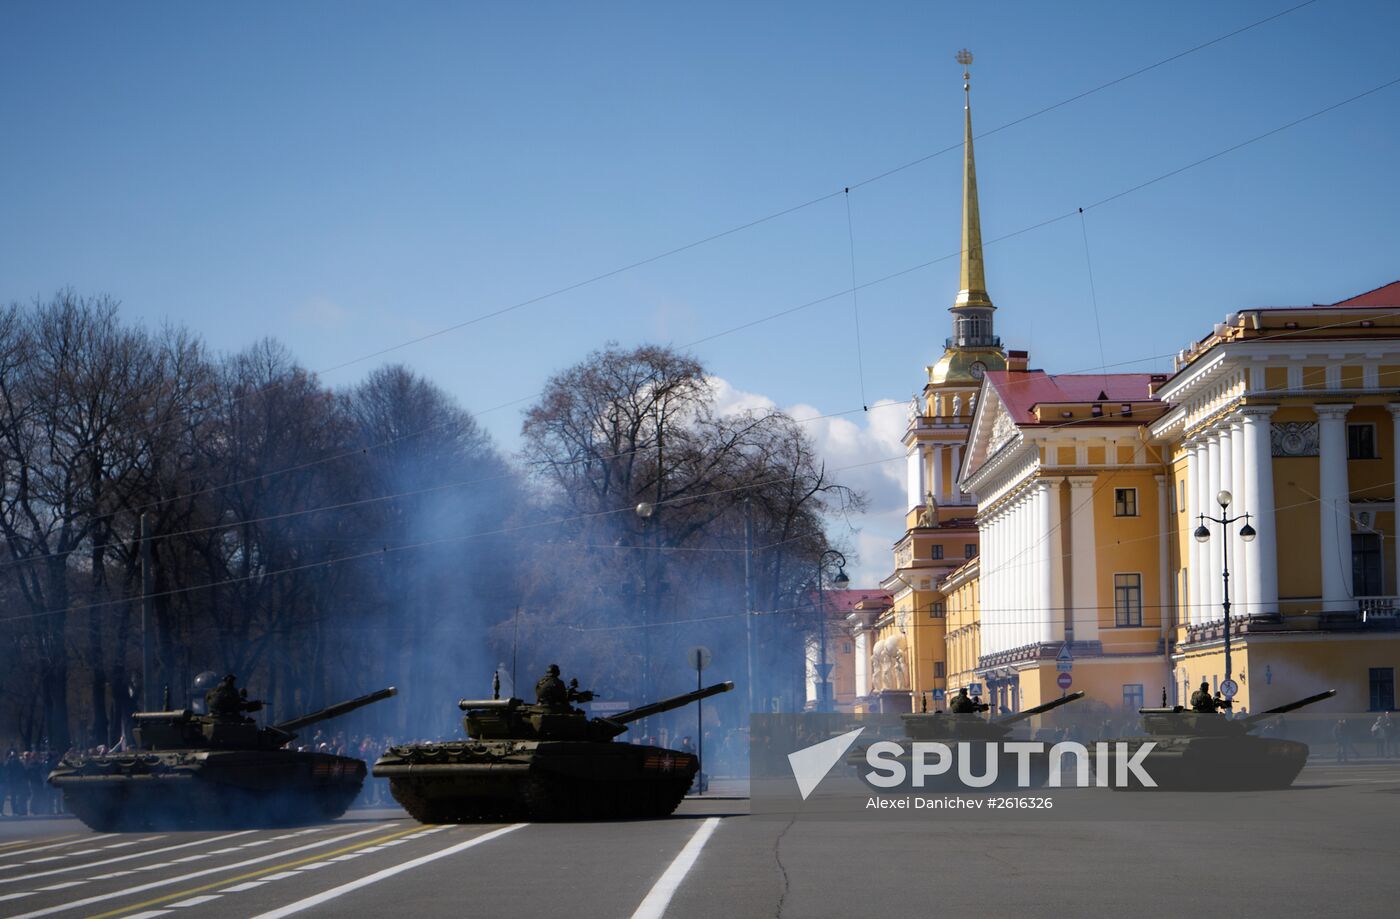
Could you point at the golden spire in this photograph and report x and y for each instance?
(972, 279)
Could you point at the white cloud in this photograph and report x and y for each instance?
(862, 451)
(321, 313)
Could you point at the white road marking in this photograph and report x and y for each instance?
(195, 901)
(75, 904)
(378, 876)
(279, 876)
(659, 897)
(149, 914)
(64, 886)
(57, 845)
(314, 865)
(246, 885)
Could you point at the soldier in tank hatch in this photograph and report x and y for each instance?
(963, 705)
(228, 702)
(551, 691)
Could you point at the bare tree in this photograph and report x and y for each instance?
(625, 428)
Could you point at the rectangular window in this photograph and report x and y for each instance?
(1382, 689)
(1361, 441)
(938, 670)
(1132, 696)
(938, 610)
(1181, 496)
(1127, 600)
(1367, 569)
(937, 552)
(970, 550)
(846, 648)
(1125, 502)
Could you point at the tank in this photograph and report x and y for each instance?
(1207, 751)
(190, 770)
(542, 761)
(976, 731)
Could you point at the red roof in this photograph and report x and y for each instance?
(1389, 295)
(844, 601)
(1021, 392)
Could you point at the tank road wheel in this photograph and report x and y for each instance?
(548, 797)
(417, 806)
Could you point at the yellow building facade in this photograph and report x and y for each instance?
(1053, 537)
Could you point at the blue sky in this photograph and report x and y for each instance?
(345, 177)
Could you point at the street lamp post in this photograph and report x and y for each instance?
(1247, 533)
(645, 510)
(824, 699)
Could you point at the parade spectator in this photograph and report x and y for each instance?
(1383, 733)
(1340, 732)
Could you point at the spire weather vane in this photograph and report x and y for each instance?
(964, 57)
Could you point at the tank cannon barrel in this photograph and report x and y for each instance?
(1041, 709)
(665, 705)
(488, 705)
(1291, 706)
(333, 711)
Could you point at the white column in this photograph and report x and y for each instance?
(1047, 506)
(862, 662)
(914, 475)
(1030, 569)
(1225, 534)
(1083, 558)
(1025, 570)
(1241, 600)
(1334, 511)
(1261, 565)
(936, 478)
(1194, 469)
(955, 495)
(991, 635)
(1164, 577)
(1211, 548)
(1395, 490)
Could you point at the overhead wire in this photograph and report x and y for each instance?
(738, 228)
(824, 299)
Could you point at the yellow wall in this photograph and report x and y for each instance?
(1101, 680)
(1127, 545)
(1279, 669)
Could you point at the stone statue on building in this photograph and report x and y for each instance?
(957, 405)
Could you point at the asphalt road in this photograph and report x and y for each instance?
(1332, 850)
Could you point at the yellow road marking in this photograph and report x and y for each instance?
(261, 871)
(45, 841)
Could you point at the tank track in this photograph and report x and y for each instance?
(546, 797)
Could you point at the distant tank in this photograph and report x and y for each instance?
(542, 761)
(968, 727)
(1206, 751)
(190, 770)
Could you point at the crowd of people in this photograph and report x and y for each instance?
(24, 791)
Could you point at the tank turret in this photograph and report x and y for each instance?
(973, 727)
(495, 719)
(970, 737)
(1209, 751)
(187, 730)
(542, 760)
(187, 770)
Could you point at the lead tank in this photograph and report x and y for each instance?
(976, 732)
(542, 761)
(212, 771)
(1206, 751)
